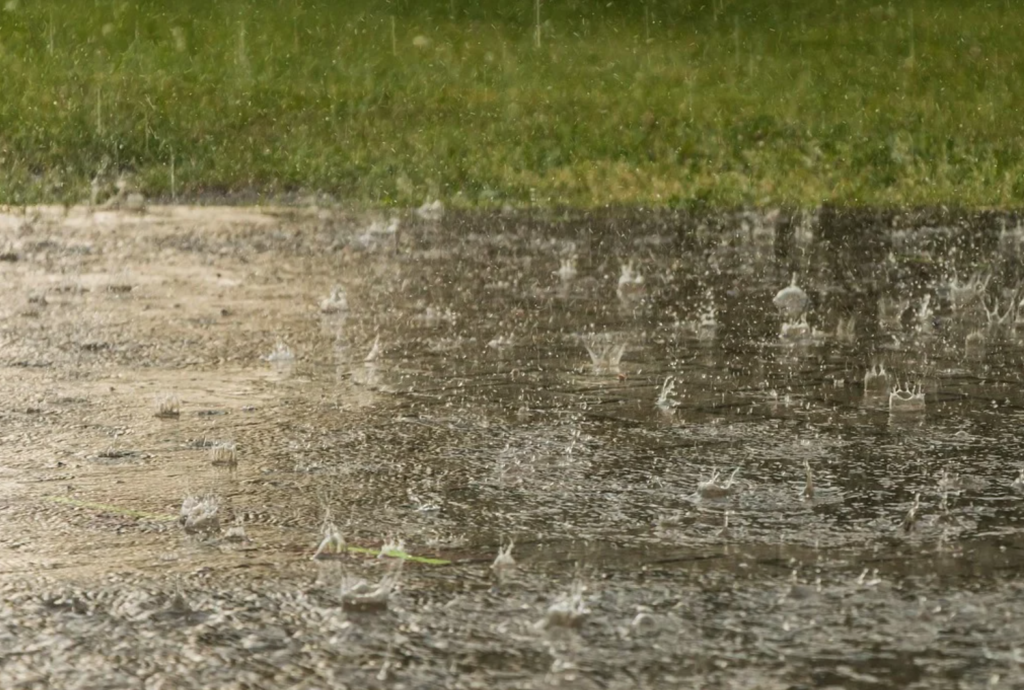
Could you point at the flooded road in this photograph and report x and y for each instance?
(679, 430)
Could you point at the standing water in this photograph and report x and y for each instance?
(713, 473)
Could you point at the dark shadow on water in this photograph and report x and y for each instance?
(586, 471)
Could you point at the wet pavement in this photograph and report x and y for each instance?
(705, 482)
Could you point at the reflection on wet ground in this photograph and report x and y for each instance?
(682, 430)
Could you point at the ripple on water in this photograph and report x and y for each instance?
(770, 524)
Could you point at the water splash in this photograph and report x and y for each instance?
(370, 374)
(726, 531)
(376, 234)
(393, 547)
(168, 407)
(567, 269)
(890, 312)
(796, 332)
(568, 610)
(666, 402)
(715, 488)
(224, 454)
(996, 320)
(808, 492)
(846, 330)
(705, 325)
(1018, 483)
(605, 350)
(631, 284)
(904, 399)
(504, 564)
(501, 342)
(876, 379)
(336, 302)
(332, 544)
(374, 354)
(975, 344)
(281, 360)
(925, 324)
(912, 516)
(791, 301)
(357, 594)
(707, 320)
(199, 515)
(966, 294)
(431, 211)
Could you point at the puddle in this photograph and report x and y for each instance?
(668, 418)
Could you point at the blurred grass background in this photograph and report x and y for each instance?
(664, 102)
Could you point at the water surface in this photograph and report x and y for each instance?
(451, 403)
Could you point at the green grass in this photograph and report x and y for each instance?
(717, 102)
